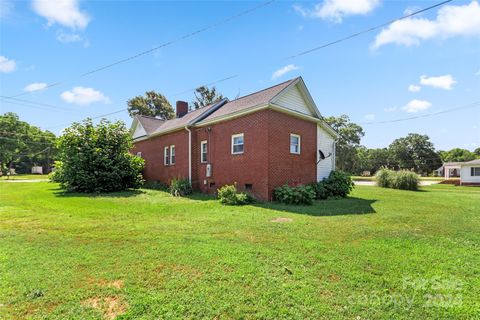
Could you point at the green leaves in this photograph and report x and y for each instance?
(153, 104)
(205, 96)
(97, 158)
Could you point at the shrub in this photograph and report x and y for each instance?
(180, 187)
(229, 195)
(96, 158)
(337, 185)
(155, 185)
(404, 179)
(384, 177)
(295, 195)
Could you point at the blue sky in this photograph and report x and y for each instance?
(421, 65)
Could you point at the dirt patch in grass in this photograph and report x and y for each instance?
(281, 220)
(110, 307)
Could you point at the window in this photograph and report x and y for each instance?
(294, 143)
(139, 154)
(237, 143)
(248, 186)
(172, 154)
(475, 171)
(166, 156)
(204, 150)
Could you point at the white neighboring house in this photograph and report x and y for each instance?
(470, 173)
(449, 170)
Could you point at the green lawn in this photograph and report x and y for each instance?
(25, 177)
(381, 254)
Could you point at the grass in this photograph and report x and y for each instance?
(380, 254)
(372, 178)
(26, 177)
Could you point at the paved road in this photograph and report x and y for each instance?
(372, 183)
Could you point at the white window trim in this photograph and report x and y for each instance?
(473, 171)
(204, 142)
(233, 138)
(299, 143)
(172, 162)
(166, 156)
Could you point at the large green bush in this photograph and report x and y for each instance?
(295, 195)
(337, 185)
(96, 158)
(229, 195)
(403, 179)
(180, 187)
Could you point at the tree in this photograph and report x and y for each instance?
(415, 152)
(457, 155)
(350, 136)
(205, 96)
(477, 152)
(23, 145)
(97, 158)
(153, 104)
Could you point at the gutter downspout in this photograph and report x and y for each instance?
(189, 154)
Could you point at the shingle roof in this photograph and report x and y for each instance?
(157, 126)
(474, 162)
(255, 99)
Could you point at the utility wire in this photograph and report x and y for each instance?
(468, 106)
(165, 44)
(37, 105)
(368, 30)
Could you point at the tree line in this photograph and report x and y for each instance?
(414, 152)
(23, 145)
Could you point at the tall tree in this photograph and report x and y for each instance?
(415, 152)
(457, 155)
(477, 152)
(153, 104)
(350, 136)
(205, 96)
(23, 145)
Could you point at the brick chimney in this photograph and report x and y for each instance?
(182, 108)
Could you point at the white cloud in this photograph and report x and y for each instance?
(451, 21)
(416, 106)
(336, 10)
(84, 96)
(391, 109)
(7, 65)
(36, 86)
(64, 12)
(414, 88)
(68, 37)
(282, 71)
(442, 82)
(370, 117)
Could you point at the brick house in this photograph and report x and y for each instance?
(260, 141)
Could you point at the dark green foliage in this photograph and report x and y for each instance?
(457, 155)
(295, 195)
(205, 96)
(180, 187)
(403, 179)
(97, 159)
(338, 185)
(23, 145)
(155, 185)
(153, 104)
(229, 195)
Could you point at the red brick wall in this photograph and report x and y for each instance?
(251, 167)
(284, 167)
(152, 152)
(265, 164)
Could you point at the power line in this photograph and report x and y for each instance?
(32, 142)
(468, 106)
(368, 30)
(37, 105)
(168, 43)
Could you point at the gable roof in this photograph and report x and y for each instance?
(255, 99)
(249, 103)
(473, 162)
